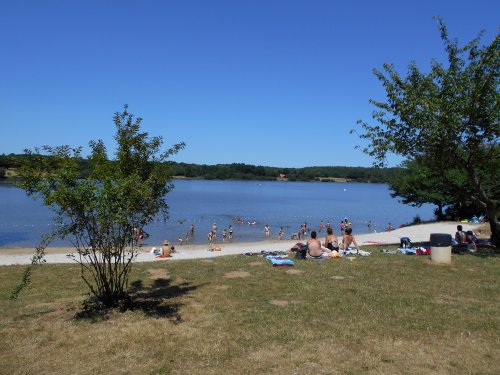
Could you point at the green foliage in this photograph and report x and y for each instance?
(99, 213)
(446, 124)
(240, 171)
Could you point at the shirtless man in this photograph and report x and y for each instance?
(314, 247)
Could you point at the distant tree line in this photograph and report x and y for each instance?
(240, 171)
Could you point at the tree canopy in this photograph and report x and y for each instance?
(445, 123)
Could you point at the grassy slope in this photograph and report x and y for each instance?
(237, 315)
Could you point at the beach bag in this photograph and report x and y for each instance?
(300, 254)
(405, 243)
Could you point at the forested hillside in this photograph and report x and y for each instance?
(239, 171)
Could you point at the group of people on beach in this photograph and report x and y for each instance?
(467, 239)
(331, 241)
(316, 249)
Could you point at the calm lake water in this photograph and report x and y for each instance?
(287, 204)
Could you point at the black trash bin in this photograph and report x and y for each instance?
(441, 247)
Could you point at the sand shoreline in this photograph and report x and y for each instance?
(417, 233)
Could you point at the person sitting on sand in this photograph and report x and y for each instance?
(331, 240)
(460, 235)
(214, 247)
(348, 240)
(314, 247)
(165, 249)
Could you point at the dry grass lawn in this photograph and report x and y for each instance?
(387, 314)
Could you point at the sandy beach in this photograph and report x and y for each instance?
(417, 233)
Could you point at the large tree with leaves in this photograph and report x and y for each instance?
(446, 121)
(99, 212)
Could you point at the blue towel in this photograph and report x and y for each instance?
(407, 251)
(282, 262)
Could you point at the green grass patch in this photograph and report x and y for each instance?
(239, 315)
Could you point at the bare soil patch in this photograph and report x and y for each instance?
(294, 272)
(157, 273)
(277, 302)
(237, 274)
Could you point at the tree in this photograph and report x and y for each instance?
(100, 212)
(417, 185)
(446, 121)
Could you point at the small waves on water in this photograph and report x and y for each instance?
(203, 203)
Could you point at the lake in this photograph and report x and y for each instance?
(202, 203)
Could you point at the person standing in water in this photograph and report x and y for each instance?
(267, 231)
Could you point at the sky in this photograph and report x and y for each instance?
(264, 82)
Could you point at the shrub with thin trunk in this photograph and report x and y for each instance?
(101, 213)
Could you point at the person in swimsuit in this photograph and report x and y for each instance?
(348, 240)
(166, 250)
(314, 247)
(331, 240)
(267, 231)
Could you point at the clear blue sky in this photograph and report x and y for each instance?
(264, 82)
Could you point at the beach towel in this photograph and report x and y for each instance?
(415, 251)
(364, 253)
(279, 261)
(387, 251)
(271, 257)
(350, 251)
(155, 251)
(282, 263)
(409, 251)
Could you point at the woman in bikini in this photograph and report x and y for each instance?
(331, 240)
(348, 240)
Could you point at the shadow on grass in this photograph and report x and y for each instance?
(153, 301)
(487, 252)
(482, 251)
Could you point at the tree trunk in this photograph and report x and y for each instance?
(494, 226)
(487, 204)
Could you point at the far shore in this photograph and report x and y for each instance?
(417, 233)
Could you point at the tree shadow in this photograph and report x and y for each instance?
(487, 252)
(153, 301)
(482, 251)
